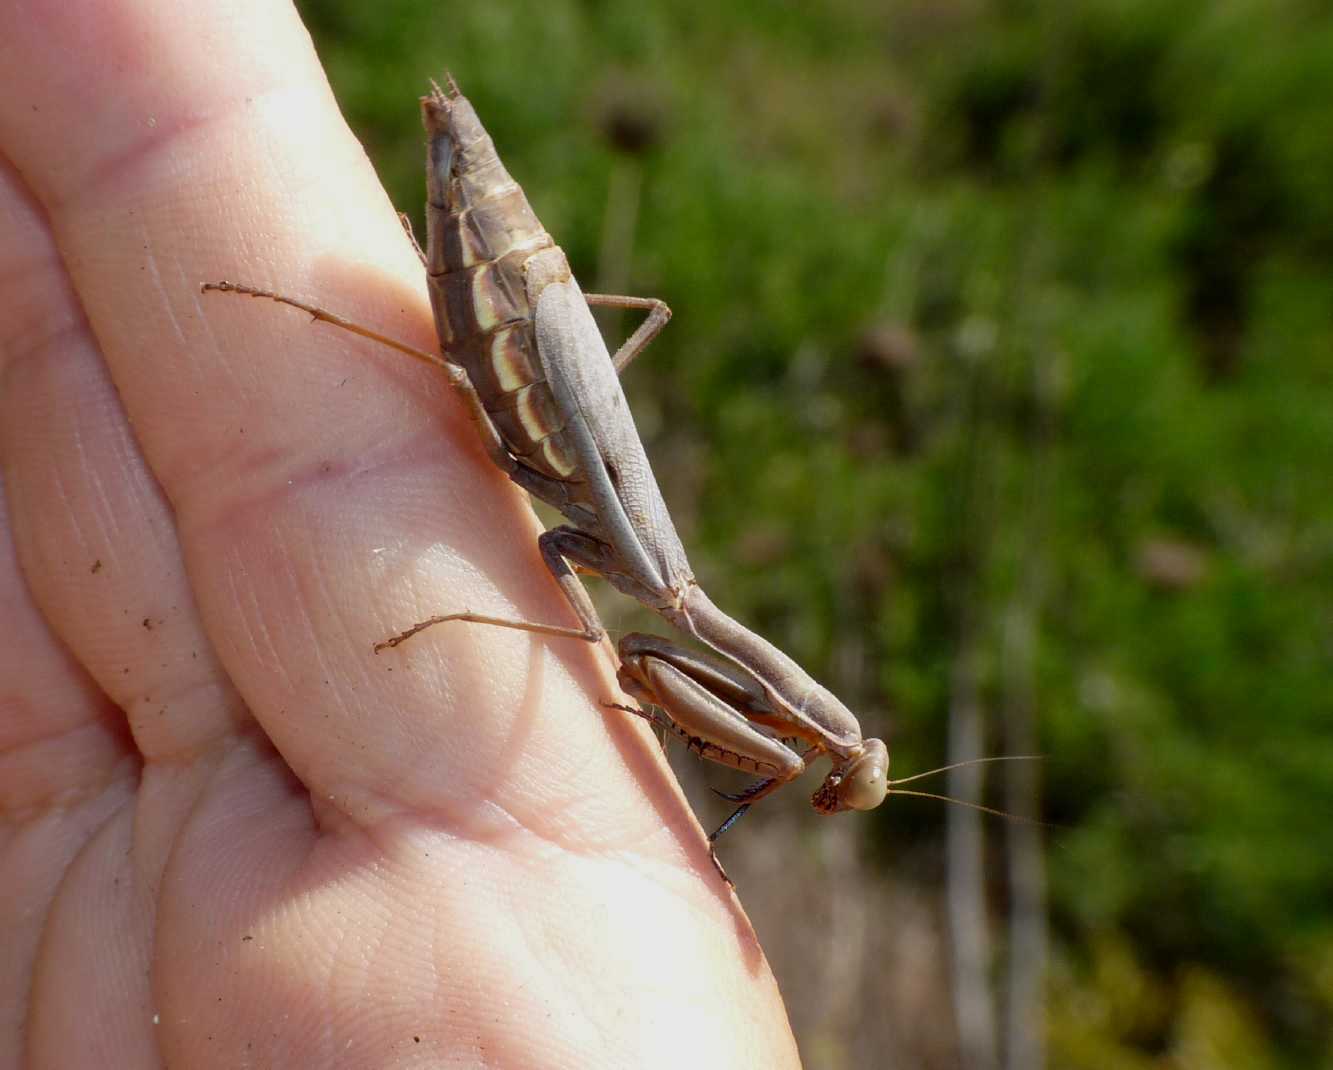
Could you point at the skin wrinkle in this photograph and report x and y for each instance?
(61, 490)
(17, 351)
(266, 477)
(204, 324)
(322, 592)
(19, 273)
(148, 497)
(140, 685)
(507, 945)
(140, 694)
(164, 696)
(105, 516)
(246, 611)
(350, 956)
(323, 669)
(368, 944)
(327, 593)
(109, 853)
(67, 833)
(150, 261)
(55, 799)
(549, 955)
(237, 377)
(575, 1005)
(38, 336)
(31, 261)
(125, 167)
(405, 468)
(483, 822)
(104, 513)
(202, 468)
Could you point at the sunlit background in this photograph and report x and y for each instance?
(997, 394)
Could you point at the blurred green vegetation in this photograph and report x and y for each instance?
(984, 309)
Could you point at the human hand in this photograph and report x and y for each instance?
(234, 836)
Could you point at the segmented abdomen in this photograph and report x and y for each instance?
(481, 233)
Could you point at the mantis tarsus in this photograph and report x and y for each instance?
(519, 343)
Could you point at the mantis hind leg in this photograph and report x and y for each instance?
(559, 548)
(659, 315)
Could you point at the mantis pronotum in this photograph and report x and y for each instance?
(519, 343)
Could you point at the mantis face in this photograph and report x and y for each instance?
(860, 783)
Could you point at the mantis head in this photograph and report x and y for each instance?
(859, 783)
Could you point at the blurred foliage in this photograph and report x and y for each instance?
(986, 307)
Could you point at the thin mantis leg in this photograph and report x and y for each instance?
(662, 726)
(558, 547)
(406, 221)
(535, 483)
(323, 315)
(758, 790)
(736, 815)
(659, 315)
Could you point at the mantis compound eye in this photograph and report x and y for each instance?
(865, 781)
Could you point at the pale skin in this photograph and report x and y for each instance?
(232, 834)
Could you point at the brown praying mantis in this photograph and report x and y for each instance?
(519, 344)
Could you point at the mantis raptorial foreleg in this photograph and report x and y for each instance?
(720, 712)
(724, 714)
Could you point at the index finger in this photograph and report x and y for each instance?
(326, 493)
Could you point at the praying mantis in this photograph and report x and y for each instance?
(519, 344)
